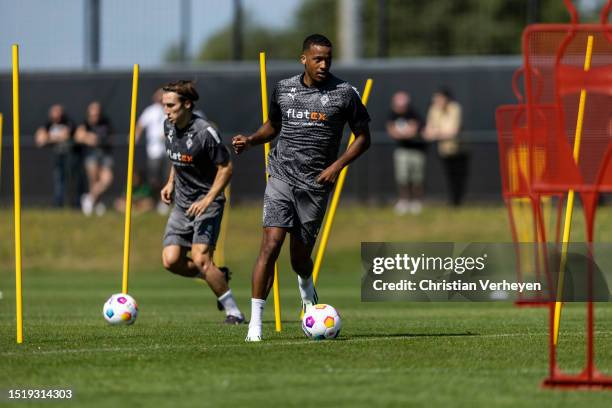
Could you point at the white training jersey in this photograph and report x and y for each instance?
(152, 120)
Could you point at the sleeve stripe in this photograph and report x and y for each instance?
(214, 134)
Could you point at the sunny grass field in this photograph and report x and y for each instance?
(178, 353)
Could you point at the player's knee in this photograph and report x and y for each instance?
(271, 246)
(171, 261)
(203, 262)
(269, 253)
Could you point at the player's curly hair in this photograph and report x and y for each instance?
(316, 39)
(184, 89)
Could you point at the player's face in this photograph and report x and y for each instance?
(317, 61)
(175, 110)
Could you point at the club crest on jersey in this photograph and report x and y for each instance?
(292, 93)
(189, 143)
(324, 100)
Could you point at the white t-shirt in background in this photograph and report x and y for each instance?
(152, 120)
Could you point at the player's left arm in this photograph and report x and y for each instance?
(358, 119)
(219, 155)
(222, 179)
(356, 149)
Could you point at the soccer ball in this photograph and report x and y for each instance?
(120, 308)
(321, 322)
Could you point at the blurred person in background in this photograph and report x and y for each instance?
(79, 184)
(151, 123)
(57, 133)
(404, 125)
(443, 126)
(141, 196)
(96, 134)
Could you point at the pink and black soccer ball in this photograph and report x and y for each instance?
(321, 322)
(120, 308)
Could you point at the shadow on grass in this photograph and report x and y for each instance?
(367, 336)
(283, 321)
(408, 335)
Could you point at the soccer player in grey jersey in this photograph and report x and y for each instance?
(307, 113)
(201, 168)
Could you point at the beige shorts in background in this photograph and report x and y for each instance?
(409, 166)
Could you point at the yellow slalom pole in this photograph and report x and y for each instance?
(264, 117)
(219, 256)
(17, 192)
(335, 200)
(128, 194)
(569, 209)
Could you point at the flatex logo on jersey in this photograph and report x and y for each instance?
(178, 157)
(293, 113)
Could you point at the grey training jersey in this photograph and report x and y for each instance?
(313, 119)
(195, 152)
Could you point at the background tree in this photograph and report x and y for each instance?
(414, 28)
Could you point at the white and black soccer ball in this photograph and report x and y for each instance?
(120, 308)
(321, 322)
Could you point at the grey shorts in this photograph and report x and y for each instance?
(409, 166)
(300, 211)
(98, 157)
(185, 231)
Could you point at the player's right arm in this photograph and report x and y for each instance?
(264, 134)
(166, 192)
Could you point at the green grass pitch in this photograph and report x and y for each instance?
(179, 354)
